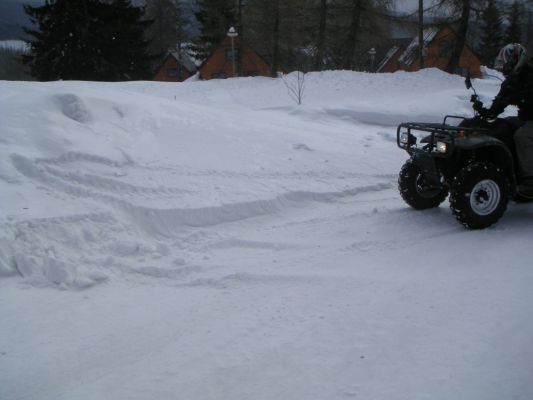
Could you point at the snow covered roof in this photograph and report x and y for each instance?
(411, 52)
(15, 45)
(390, 53)
(185, 60)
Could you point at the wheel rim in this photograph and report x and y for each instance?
(485, 197)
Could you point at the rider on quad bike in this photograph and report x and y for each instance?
(517, 89)
(476, 162)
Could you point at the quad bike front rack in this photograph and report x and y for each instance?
(407, 139)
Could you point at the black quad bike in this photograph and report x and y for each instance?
(474, 162)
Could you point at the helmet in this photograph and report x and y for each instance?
(510, 58)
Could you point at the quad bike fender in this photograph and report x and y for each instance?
(426, 163)
(490, 149)
(472, 142)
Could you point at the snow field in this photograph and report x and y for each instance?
(212, 240)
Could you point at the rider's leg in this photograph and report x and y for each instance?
(524, 150)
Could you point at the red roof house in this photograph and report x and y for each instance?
(438, 47)
(220, 63)
(177, 67)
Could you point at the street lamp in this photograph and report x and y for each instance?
(372, 56)
(232, 33)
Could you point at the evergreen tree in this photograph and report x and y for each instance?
(315, 34)
(279, 30)
(320, 61)
(60, 49)
(513, 33)
(263, 20)
(491, 33)
(168, 29)
(88, 40)
(215, 17)
(122, 42)
(528, 26)
(353, 28)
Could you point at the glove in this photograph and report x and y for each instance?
(478, 106)
(485, 113)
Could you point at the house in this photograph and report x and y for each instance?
(220, 64)
(177, 66)
(438, 47)
(388, 50)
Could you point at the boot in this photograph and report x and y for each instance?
(526, 188)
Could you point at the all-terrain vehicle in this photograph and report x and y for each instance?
(474, 162)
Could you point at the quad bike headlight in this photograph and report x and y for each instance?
(442, 147)
(407, 138)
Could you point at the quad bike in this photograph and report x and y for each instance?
(474, 162)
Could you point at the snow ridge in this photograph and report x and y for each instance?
(40, 256)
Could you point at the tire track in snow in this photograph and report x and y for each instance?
(80, 251)
(99, 182)
(73, 156)
(165, 221)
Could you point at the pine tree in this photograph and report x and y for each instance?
(281, 31)
(351, 39)
(528, 27)
(353, 28)
(168, 29)
(264, 20)
(88, 40)
(491, 33)
(59, 50)
(319, 61)
(122, 41)
(513, 33)
(215, 17)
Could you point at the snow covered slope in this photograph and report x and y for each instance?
(213, 240)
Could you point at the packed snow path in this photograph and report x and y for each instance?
(213, 241)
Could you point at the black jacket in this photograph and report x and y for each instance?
(516, 90)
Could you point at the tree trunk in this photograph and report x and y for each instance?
(461, 37)
(240, 27)
(321, 38)
(351, 39)
(275, 43)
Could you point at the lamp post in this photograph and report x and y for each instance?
(232, 33)
(372, 56)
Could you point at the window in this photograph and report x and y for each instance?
(172, 72)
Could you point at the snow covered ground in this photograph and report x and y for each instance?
(213, 240)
